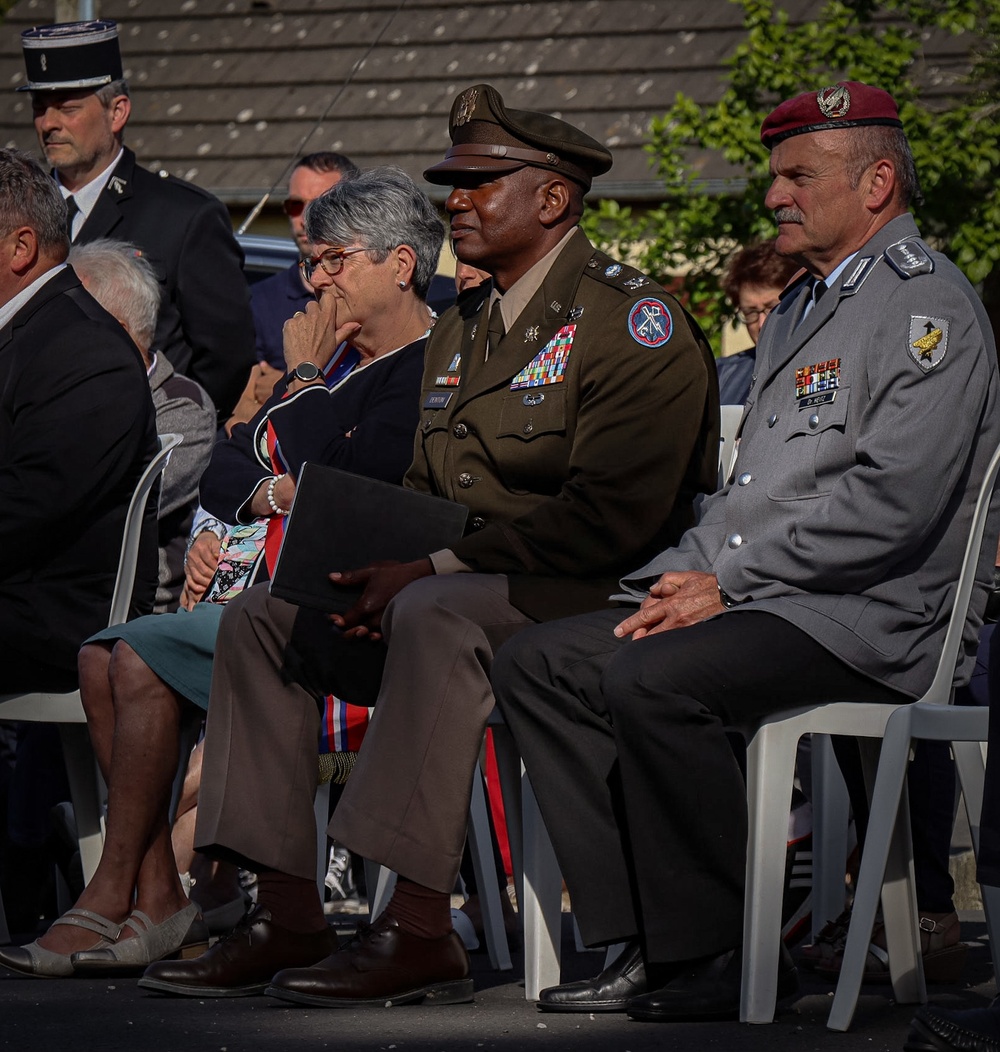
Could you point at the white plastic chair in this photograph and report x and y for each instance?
(770, 766)
(67, 709)
(729, 420)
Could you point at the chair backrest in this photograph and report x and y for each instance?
(940, 689)
(729, 418)
(125, 580)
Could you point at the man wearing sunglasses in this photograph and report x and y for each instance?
(274, 300)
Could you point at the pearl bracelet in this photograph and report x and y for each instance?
(275, 507)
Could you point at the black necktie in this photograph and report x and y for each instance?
(72, 208)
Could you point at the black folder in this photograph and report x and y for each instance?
(341, 521)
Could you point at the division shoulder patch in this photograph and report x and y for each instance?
(650, 323)
(927, 341)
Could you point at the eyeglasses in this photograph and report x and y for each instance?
(294, 207)
(748, 317)
(332, 262)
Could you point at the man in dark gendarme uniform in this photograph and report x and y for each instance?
(573, 409)
(823, 571)
(81, 106)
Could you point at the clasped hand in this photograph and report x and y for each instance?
(675, 601)
(313, 335)
(381, 582)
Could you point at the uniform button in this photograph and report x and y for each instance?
(814, 421)
(465, 480)
(528, 428)
(734, 540)
(744, 479)
(772, 420)
(460, 431)
(478, 522)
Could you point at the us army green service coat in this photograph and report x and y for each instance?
(579, 444)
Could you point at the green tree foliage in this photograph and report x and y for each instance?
(956, 147)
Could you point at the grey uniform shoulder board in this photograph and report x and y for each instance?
(909, 258)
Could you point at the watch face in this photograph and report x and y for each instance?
(306, 371)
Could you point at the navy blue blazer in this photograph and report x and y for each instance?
(366, 425)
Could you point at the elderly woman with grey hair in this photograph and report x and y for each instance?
(120, 278)
(350, 399)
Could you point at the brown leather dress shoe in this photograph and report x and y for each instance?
(380, 967)
(241, 963)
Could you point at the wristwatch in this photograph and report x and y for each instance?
(304, 371)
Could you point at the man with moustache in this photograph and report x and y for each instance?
(823, 571)
(573, 408)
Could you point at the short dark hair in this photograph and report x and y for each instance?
(29, 196)
(328, 161)
(757, 264)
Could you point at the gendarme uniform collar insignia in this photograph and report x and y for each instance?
(927, 341)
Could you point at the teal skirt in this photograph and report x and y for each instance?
(178, 647)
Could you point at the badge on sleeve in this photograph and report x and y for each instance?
(927, 341)
(650, 323)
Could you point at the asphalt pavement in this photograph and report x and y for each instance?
(92, 1015)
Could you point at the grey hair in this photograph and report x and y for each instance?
(870, 143)
(380, 209)
(109, 92)
(29, 196)
(123, 282)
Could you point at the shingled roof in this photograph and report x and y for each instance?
(225, 91)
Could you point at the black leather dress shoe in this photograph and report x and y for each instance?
(935, 1029)
(706, 990)
(623, 979)
(380, 967)
(241, 963)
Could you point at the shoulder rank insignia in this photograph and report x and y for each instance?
(908, 258)
(650, 323)
(927, 341)
(855, 279)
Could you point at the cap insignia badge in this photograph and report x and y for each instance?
(45, 63)
(834, 102)
(466, 105)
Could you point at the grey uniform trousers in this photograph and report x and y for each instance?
(406, 802)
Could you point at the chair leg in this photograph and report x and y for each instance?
(81, 769)
(321, 808)
(540, 905)
(770, 768)
(483, 865)
(885, 808)
(831, 808)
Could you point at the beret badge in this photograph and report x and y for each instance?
(834, 102)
